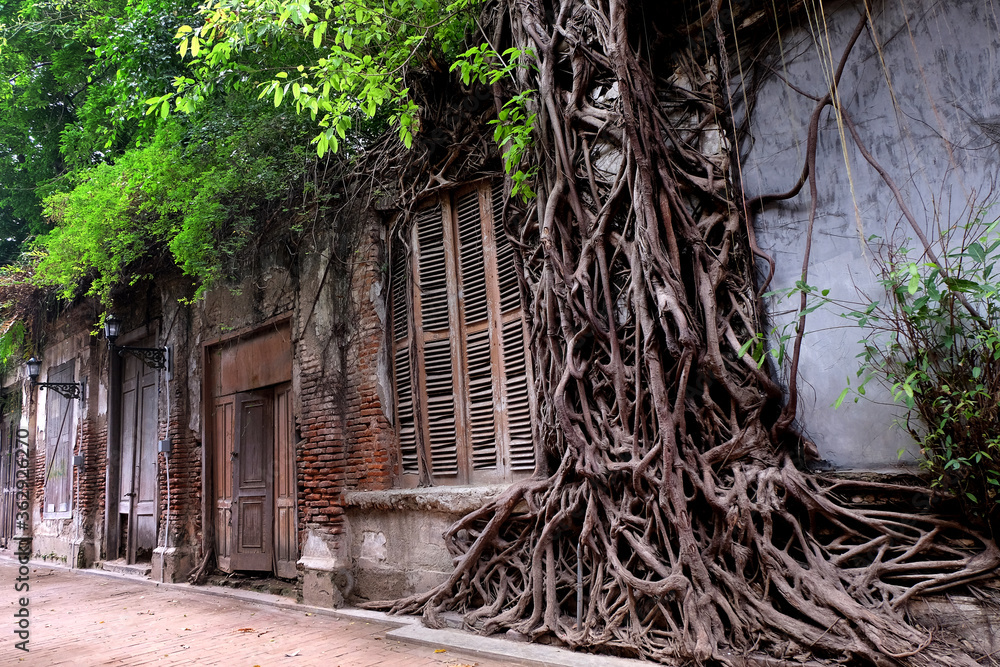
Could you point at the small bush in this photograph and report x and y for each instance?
(935, 343)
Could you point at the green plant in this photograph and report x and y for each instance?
(514, 124)
(935, 344)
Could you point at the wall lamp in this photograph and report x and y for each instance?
(154, 357)
(67, 389)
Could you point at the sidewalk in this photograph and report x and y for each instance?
(88, 619)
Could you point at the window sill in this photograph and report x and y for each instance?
(447, 499)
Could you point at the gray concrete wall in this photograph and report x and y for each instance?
(922, 88)
(394, 538)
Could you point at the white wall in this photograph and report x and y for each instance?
(924, 102)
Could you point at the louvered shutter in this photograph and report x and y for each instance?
(478, 350)
(405, 426)
(462, 377)
(521, 452)
(438, 375)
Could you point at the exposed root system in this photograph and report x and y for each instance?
(668, 518)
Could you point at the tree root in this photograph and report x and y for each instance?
(667, 519)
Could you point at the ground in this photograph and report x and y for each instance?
(84, 618)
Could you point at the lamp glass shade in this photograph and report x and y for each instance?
(112, 327)
(34, 367)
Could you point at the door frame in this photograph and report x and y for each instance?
(10, 422)
(209, 511)
(112, 472)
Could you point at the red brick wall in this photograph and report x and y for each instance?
(370, 437)
(345, 438)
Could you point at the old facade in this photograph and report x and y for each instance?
(328, 417)
(300, 423)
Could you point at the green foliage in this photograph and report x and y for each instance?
(936, 345)
(337, 62)
(12, 341)
(73, 79)
(195, 190)
(515, 123)
(345, 63)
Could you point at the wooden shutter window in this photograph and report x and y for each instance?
(59, 444)
(478, 334)
(405, 426)
(458, 342)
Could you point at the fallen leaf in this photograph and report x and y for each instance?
(440, 650)
(244, 630)
(309, 613)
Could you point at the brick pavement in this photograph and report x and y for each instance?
(79, 618)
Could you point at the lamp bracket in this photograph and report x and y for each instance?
(154, 357)
(68, 389)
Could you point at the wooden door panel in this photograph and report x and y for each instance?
(222, 442)
(8, 474)
(286, 551)
(253, 483)
(146, 487)
(128, 432)
(138, 484)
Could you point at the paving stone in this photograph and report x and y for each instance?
(79, 618)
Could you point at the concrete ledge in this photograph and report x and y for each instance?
(449, 499)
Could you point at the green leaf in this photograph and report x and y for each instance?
(840, 399)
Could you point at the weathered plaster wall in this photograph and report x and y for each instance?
(70, 538)
(922, 89)
(395, 536)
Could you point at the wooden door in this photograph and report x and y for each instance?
(223, 420)
(138, 484)
(11, 419)
(253, 483)
(58, 488)
(286, 542)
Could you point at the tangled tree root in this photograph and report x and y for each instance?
(667, 519)
(757, 557)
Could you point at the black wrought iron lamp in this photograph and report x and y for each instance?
(67, 389)
(154, 357)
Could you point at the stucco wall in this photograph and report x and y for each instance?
(921, 88)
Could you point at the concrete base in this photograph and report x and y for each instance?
(172, 564)
(56, 549)
(395, 538)
(327, 587)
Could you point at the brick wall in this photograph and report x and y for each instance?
(369, 434)
(345, 438)
(345, 441)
